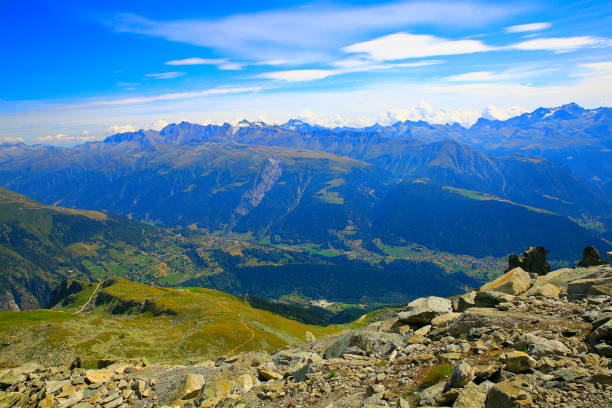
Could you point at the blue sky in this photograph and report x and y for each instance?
(74, 71)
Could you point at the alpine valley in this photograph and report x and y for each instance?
(367, 216)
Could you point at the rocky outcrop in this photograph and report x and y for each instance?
(590, 257)
(532, 260)
(7, 302)
(582, 288)
(65, 291)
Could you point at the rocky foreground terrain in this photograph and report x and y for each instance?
(531, 338)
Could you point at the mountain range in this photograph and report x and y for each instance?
(361, 194)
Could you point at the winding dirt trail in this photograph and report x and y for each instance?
(88, 300)
(244, 343)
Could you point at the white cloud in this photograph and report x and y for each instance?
(197, 61)
(13, 139)
(464, 116)
(62, 138)
(166, 75)
(308, 33)
(523, 28)
(404, 45)
(122, 129)
(221, 63)
(479, 76)
(298, 75)
(231, 66)
(344, 67)
(561, 44)
(159, 124)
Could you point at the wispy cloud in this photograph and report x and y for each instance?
(307, 34)
(221, 63)
(562, 44)
(60, 138)
(166, 75)
(404, 45)
(523, 28)
(478, 76)
(341, 67)
(514, 73)
(172, 96)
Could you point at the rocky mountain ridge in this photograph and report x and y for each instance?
(522, 340)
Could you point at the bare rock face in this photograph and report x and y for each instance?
(590, 257)
(532, 260)
(7, 302)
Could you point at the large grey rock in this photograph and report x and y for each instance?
(541, 347)
(429, 395)
(369, 342)
(476, 318)
(532, 260)
(590, 257)
(513, 282)
(582, 288)
(421, 311)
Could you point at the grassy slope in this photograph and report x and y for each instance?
(205, 324)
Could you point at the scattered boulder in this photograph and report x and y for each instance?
(471, 396)
(266, 374)
(462, 374)
(422, 311)
(518, 362)
(602, 333)
(540, 347)
(189, 387)
(532, 260)
(429, 395)
(590, 257)
(464, 302)
(445, 319)
(513, 282)
(98, 376)
(514, 393)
